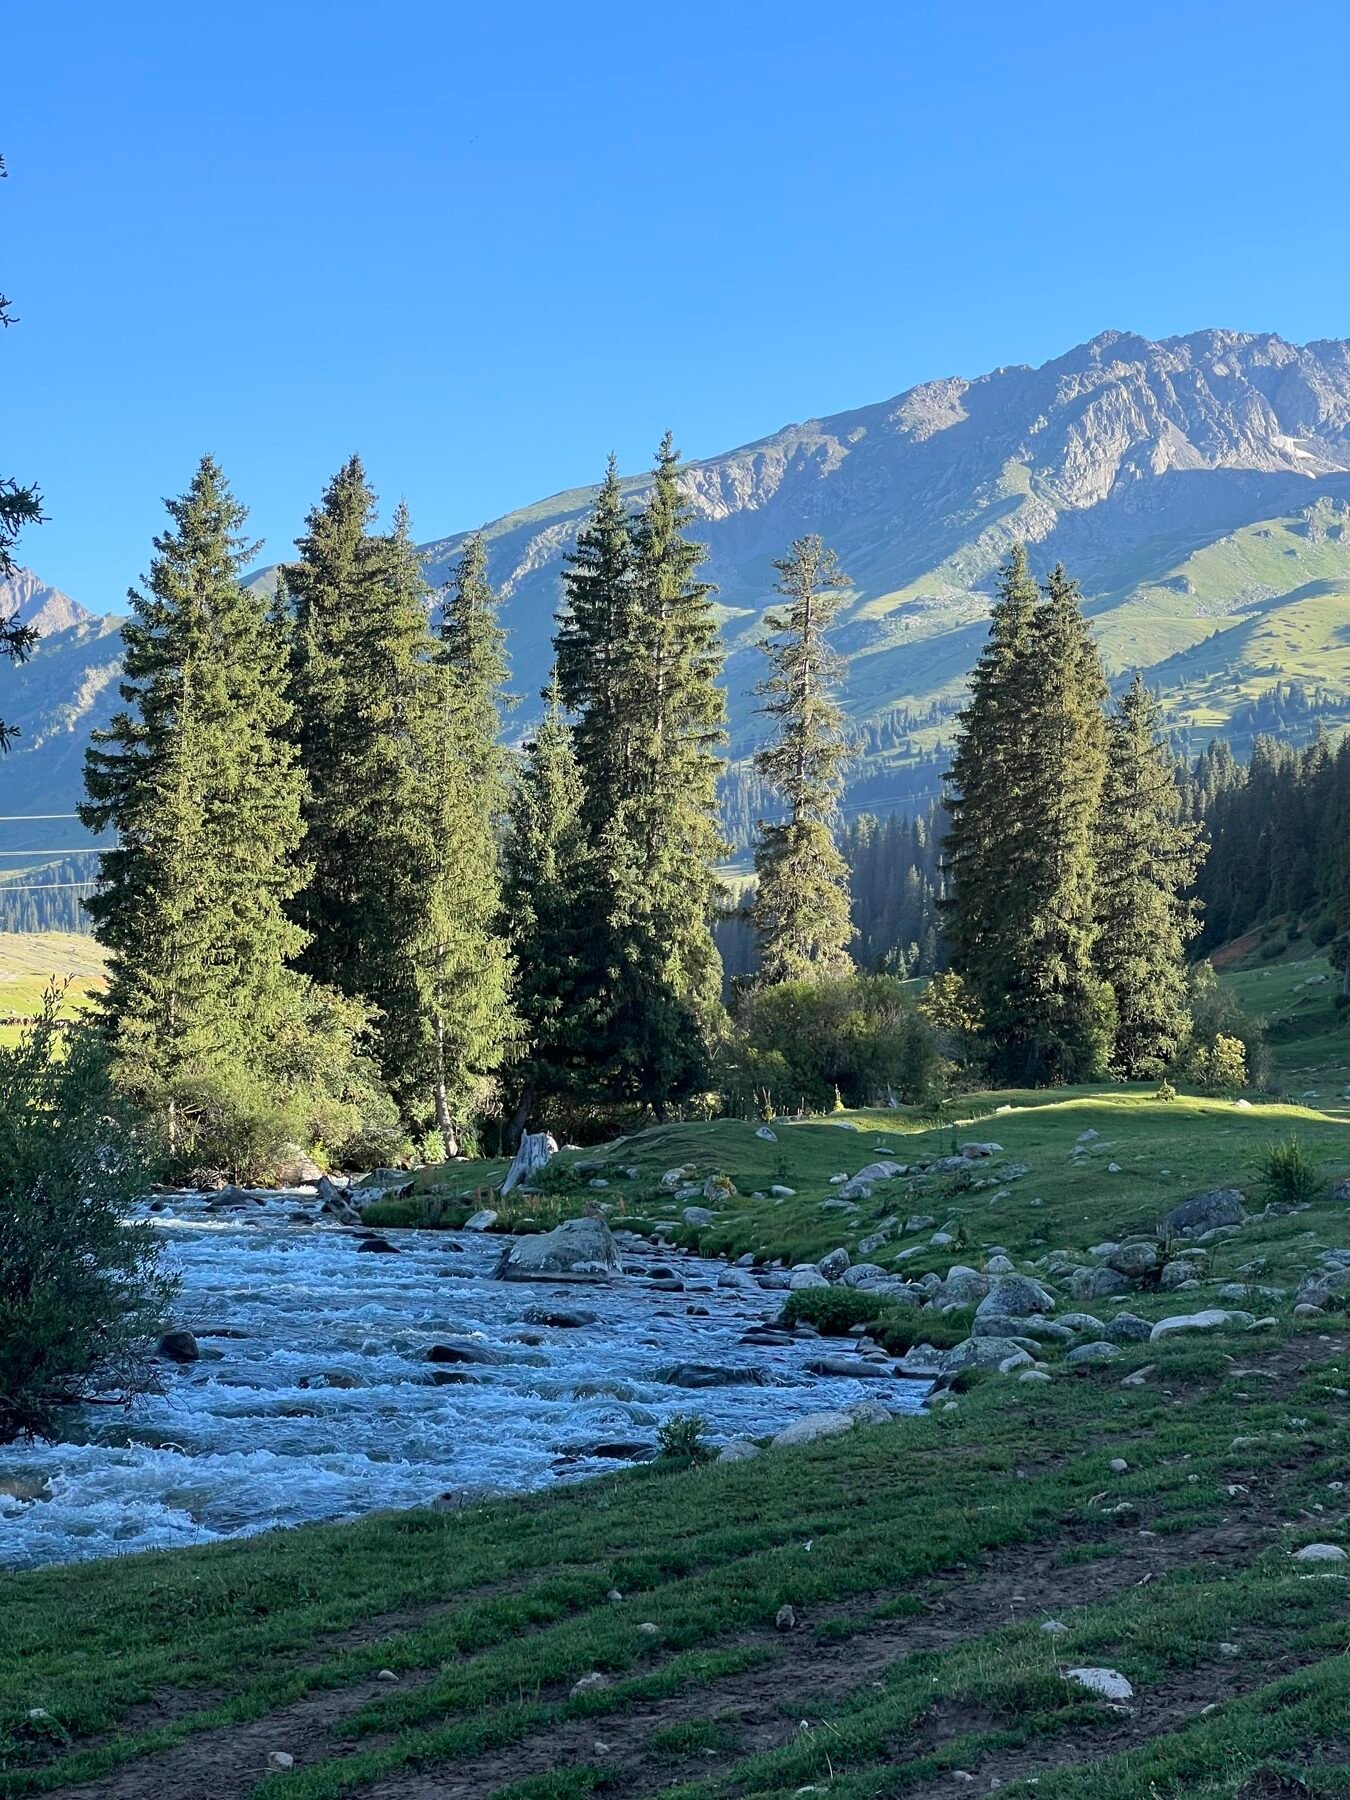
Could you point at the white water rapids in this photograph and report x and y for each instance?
(314, 1400)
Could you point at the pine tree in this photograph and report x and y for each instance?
(362, 660)
(196, 778)
(1147, 856)
(638, 659)
(680, 713)
(983, 798)
(1052, 1022)
(466, 967)
(801, 907)
(545, 846)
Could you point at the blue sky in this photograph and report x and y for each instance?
(484, 244)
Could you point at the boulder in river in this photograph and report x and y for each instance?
(563, 1319)
(577, 1250)
(711, 1375)
(179, 1346)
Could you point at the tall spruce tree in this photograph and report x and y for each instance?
(1147, 857)
(983, 797)
(198, 781)
(638, 659)
(680, 712)
(361, 668)
(466, 967)
(1053, 1022)
(545, 848)
(801, 907)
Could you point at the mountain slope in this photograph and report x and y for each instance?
(1199, 487)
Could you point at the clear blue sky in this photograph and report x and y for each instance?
(483, 244)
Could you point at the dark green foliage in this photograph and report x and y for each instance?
(81, 1293)
(205, 1020)
(1026, 786)
(860, 1036)
(683, 1439)
(1147, 856)
(544, 852)
(465, 1016)
(895, 883)
(832, 1310)
(1289, 1176)
(801, 907)
(361, 654)
(638, 658)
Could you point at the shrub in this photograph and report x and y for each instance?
(859, 1039)
(1221, 1067)
(907, 1327)
(1215, 1013)
(833, 1310)
(683, 1438)
(82, 1294)
(1289, 1177)
(1165, 1092)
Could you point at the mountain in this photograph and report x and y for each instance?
(25, 597)
(1199, 487)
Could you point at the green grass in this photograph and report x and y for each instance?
(491, 1614)
(31, 961)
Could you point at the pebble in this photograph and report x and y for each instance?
(648, 1629)
(1053, 1628)
(1118, 1465)
(386, 1675)
(785, 1619)
(280, 1759)
(1320, 1553)
(590, 1684)
(614, 1596)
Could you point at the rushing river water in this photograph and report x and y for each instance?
(314, 1399)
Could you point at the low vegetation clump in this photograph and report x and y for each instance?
(82, 1294)
(832, 1310)
(1289, 1176)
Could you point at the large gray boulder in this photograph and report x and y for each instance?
(813, 1426)
(577, 1250)
(1097, 1284)
(1202, 1212)
(1134, 1260)
(1212, 1319)
(962, 1287)
(1015, 1297)
(833, 1266)
(859, 1186)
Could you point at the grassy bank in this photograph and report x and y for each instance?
(435, 1653)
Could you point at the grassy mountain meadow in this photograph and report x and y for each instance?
(1199, 487)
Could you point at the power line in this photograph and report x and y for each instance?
(42, 887)
(73, 850)
(16, 818)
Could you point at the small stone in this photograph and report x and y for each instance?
(785, 1619)
(1113, 1168)
(648, 1629)
(614, 1596)
(1328, 1553)
(589, 1684)
(1230, 1650)
(599, 1749)
(1034, 1375)
(280, 1759)
(769, 1136)
(1109, 1683)
(1053, 1628)
(1085, 1356)
(1118, 1465)
(386, 1675)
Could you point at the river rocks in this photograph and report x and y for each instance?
(711, 1375)
(859, 1186)
(863, 1274)
(1097, 1284)
(739, 1450)
(1203, 1212)
(294, 1168)
(962, 1287)
(697, 1216)
(179, 1346)
(984, 1353)
(1179, 1274)
(463, 1353)
(834, 1264)
(1213, 1319)
(1015, 1297)
(738, 1278)
(1110, 1684)
(807, 1276)
(874, 1240)
(1134, 1260)
(856, 1368)
(561, 1319)
(1079, 1322)
(1087, 1356)
(481, 1221)
(577, 1250)
(975, 1152)
(813, 1426)
(1320, 1553)
(378, 1246)
(1128, 1328)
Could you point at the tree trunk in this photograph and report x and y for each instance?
(520, 1118)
